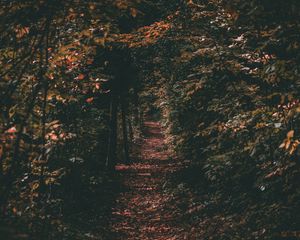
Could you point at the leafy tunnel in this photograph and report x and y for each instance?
(149, 119)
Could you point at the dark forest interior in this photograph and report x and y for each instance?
(143, 119)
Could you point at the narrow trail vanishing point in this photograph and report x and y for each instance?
(144, 210)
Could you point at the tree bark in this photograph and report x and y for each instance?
(125, 134)
(112, 143)
(130, 129)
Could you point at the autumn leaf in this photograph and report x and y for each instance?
(288, 142)
(92, 6)
(97, 86)
(50, 76)
(80, 77)
(11, 130)
(282, 145)
(133, 12)
(53, 136)
(294, 147)
(35, 186)
(14, 210)
(89, 100)
(122, 5)
(290, 134)
(21, 32)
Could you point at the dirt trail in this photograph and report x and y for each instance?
(143, 210)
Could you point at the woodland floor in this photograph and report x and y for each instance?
(144, 210)
(140, 205)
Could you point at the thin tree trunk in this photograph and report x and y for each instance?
(2, 157)
(112, 143)
(125, 134)
(44, 79)
(141, 121)
(130, 129)
(136, 107)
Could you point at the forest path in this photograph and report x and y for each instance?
(144, 210)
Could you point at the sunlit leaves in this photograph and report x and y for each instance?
(144, 36)
(289, 143)
(22, 31)
(11, 130)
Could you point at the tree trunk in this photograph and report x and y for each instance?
(125, 134)
(130, 129)
(136, 107)
(2, 157)
(112, 143)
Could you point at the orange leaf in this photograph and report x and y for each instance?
(80, 76)
(89, 100)
(53, 136)
(14, 210)
(21, 32)
(282, 145)
(12, 130)
(97, 86)
(290, 134)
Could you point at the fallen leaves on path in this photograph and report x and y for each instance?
(144, 210)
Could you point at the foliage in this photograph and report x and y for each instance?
(226, 79)
(222, 75)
